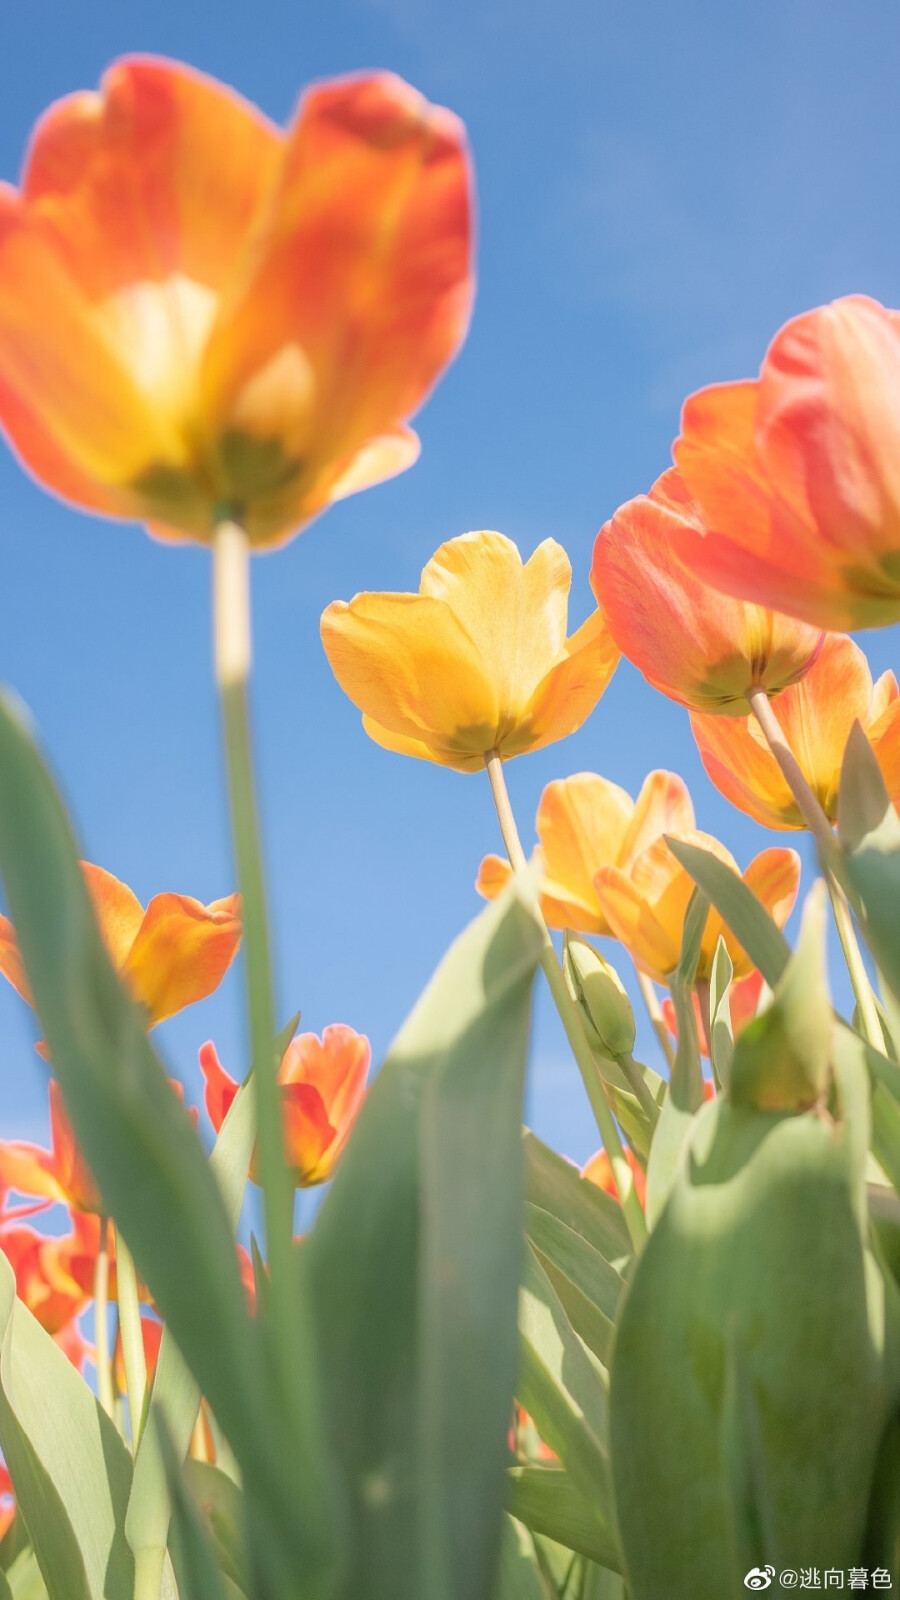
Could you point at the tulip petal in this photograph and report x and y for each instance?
(118, 909)
(570, 690)
(182, 952)
(581, 823)
(738, 761)
(663, 806)
(11, 963)
(363, 271)
(220, 1090)
(516, 612)
(774, 877)
(381, 458)
(652, 945)
(884, 737)
(494, 874)
(408, 663)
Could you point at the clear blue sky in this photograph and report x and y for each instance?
(660, 187)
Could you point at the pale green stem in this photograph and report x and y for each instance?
(639, 1088)
(132, 1339)
(102, 1353)
(149, 1566)
(571, 1020)
(820, 828)
(232, 649)
(654, 1012)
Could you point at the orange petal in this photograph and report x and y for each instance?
(182, 952)
(738, 761)
(689, 641)
(652, 943)
(336, 1065)
(663, 806)
(494, 874)
(569, 692)
(363, 273)
(309, 1136)
(118, 910)
(220, 1090)
(581, 823)
(884, 737)
(11, 963)
(774, 877)
(381, 458)
(598, 1170)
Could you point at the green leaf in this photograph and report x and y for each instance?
(721, 1044)
(782, 1058)
(738, 906)
(763, 1244)
(222, 1505)
(870, 835)
(413, 1269)
(685, 1093)
(24, 1579)
(546, 1501)
(151, 1168)
(588, 1288)
(560, 1385)
(520, 1572)
(196, 1568)
(555, 1185)
(70, 1470)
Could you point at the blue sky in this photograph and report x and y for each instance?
(660, 188)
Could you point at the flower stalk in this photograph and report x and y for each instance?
(132, 1339)
(102, 1351)
(568, 1014)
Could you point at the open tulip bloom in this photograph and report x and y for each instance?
(199, 310)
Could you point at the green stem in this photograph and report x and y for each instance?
(102, 1353)
(231, 617)
(829, 857)
(571, 1020)
(132, 1340)
(639, 1088)
(654, 1012)
(149, 1566)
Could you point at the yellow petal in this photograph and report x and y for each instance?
(581, 822)
(569, 692)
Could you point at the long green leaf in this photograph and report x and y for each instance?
(555, 1185)
(413, 1268)
(746, 916)
(546, 1500)
(588, 1287)
(685, 1092)
(70, 1470)
(152, 1171)
(520, 1577)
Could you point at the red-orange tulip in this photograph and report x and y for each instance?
(797, 473)
(199, 310)
(701, 649)
(57, 1174)
(173, 953)
(7, 1501)
(816, 716)
(586, 822)
(45, 1285)
(598, 1170)
(323, 1083)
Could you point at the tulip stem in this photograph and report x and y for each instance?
(232, 649)
(102, 1352)
(571, 1020)
(132, 1339)
(821, 830)
(654, 1012)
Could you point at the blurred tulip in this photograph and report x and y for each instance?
(584, 823)
(743, 1003)
(689, 641)
(199, 310)
(58, 1174)
(477, 661)
(7, 1500)
(45, 1285)
(816, 717)
(796, 473)
(322, 1089)
(599, 1171)
(646, 904)
(173, 953)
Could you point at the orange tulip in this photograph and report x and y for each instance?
(45, 1285)
(322, 1088)
(584, 823)
(477, 661)
(200, 311)
(689, 641)
(7, 1501)
(796, 472)
(599, 1171)
(645, 905)
(816, 717)
(173, 953)
(57, 1174)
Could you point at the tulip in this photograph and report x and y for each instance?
(322, 1084)
(7, 1501)
(816, 717)
(584, 823)
(743, 1003)
(796, 473)
(477, 661)
(688, 640)
(199, 310)
(45, 1285)
(598, 1170)
(173, 953)
(58, 1174)
(646, 904)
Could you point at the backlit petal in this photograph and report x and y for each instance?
(182, 952)
(570, 690)
(118, 910)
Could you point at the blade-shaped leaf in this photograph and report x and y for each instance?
(589, 1289)
(870, 835)
(413, 1270)
(685, 1093)
(547, 1501)
(152, 1171)
(721, 1042)
(70, 1470)
(520, 1577)
(555, 1185)
(738, 906)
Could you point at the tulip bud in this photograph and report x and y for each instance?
(598, 992)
